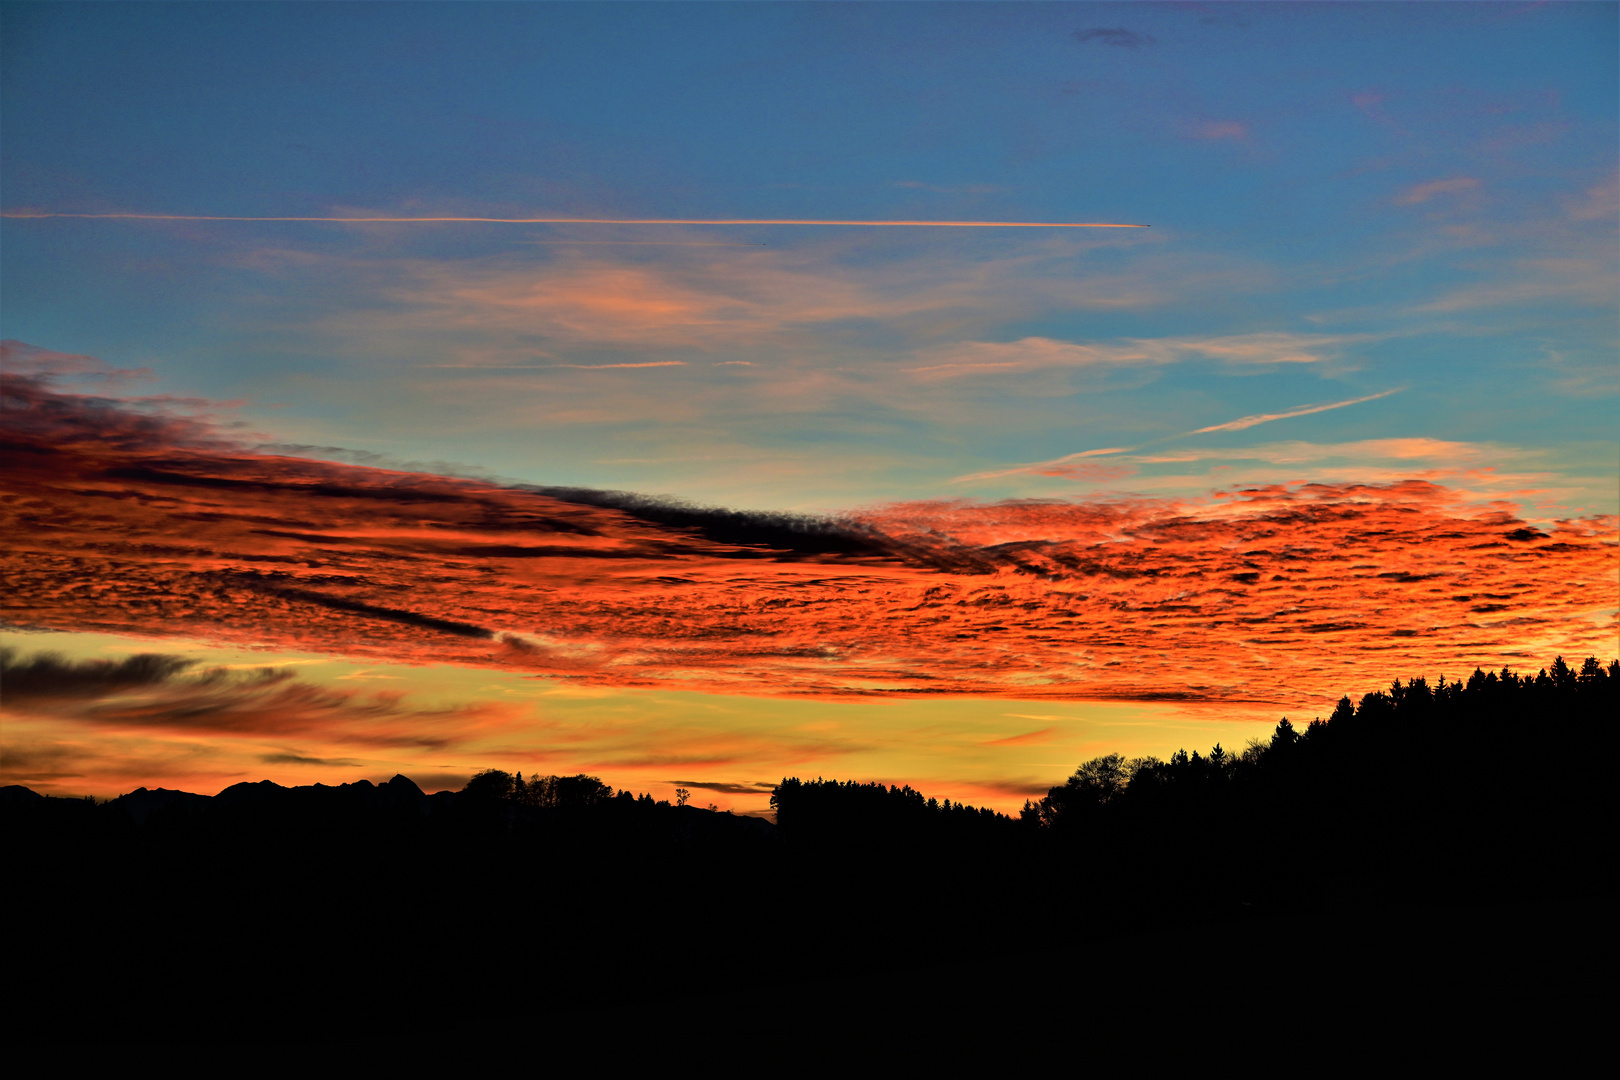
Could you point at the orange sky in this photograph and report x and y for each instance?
(128, 520)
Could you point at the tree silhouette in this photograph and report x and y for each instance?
(491, 784)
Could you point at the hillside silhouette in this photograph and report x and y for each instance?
(550, 895)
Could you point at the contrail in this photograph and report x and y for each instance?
(1031, 466)
(591, 221)
(1231, 425)
(1304, 410)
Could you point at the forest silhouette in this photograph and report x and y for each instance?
(554, 894)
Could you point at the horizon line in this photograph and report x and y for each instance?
(590, 221)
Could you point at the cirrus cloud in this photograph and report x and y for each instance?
(1116, 36)
(1422, 193)
(1038, 353)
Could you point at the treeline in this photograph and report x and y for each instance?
(1456, 731)
(1487, 790)
(851, 816)
(547, 792)
(1451, 729)
(814, 810)
(1410, 740)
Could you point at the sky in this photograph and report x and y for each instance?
(576, 477)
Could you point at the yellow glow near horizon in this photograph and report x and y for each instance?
(438, 724)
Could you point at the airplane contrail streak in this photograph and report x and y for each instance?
(1242, 424)
(1034, 465)
(591, 221)
(1303, 410)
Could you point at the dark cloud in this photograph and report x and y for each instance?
(1032, 788)
(300, 759)
(50, 675)
(39, 417)
(1116, 36)
(800, 534)
(166, 693)
(724, 788)
(371, 611)
(41, 763)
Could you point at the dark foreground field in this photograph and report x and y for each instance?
(1425, 862)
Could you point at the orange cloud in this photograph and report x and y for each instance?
(604, 367)
(698, 300)
(1085, 471)
(1026, 739)
(1035, 353)
(122, 523)
(561, 300)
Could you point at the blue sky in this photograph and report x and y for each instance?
(1345, 199)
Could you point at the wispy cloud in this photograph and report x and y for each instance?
(1551, 484)
(1480, 472)
(1600, 202)
(1242, 423)
(1573, 281)
(1067, 465)
(21, 358)
(560, 304)
(605, 367)
(1421, 193)
(1221, 129)
(1116, 36)
(1072, 466)
(1028, 738)
(1289, 453)
(726, 787)
(640, 243)
(1036, 353)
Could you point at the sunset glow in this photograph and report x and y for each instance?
(823, 403)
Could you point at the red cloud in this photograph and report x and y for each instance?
(132, 522)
